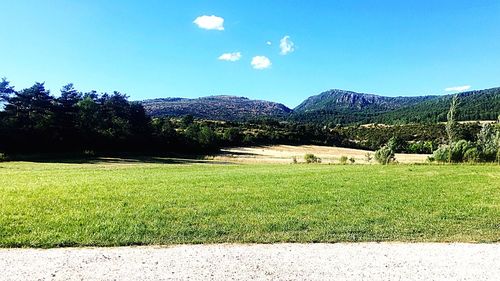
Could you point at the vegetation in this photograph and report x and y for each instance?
(136, 203)
(368, 157)
(485, 149)
(451, 124)
(311, 158)
(343, 159)
(333, 107)
(385, 155)
(33, 121)
(344, 107)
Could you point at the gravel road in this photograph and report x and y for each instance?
(344, 261)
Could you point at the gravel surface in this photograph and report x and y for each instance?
(344, 261)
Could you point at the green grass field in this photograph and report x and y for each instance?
(109, 204)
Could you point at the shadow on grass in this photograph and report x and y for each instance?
(116, 159)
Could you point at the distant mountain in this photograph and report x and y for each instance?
(229, 108)
(341, 99)
(346, 107)
(335, 106)
(473, 105)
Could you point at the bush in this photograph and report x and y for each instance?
(294, 160)
(368, 157)
(311, 158)
(351, 160)
(472, 155)
(420, 147)
(458, 150)
(343, 160)
(3, 157)
(461, 151)
(397, 144)
(441, 154)
(487, 143)
(385, 155)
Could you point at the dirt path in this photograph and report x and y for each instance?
(358, 261)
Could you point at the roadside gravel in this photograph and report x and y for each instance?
(343, 261)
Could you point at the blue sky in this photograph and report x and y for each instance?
(153, 49)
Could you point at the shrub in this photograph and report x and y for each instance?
(352, 160)
(343, 160)
(420, 147)
(385, 155)
(441, 154)
(458, 150)
(472, 155)
(368, 157)
(487, 143)
(311, 158)
(396, 143)
(294, 160)
(461, 151)
(3, 157)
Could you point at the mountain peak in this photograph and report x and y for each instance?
(341, 99)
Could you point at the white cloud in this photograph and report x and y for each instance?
(210, 22)
(269, 43)
(236, 56)
(286, 45)
(457, 88)
(260, 62)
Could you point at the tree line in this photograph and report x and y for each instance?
(32, 120)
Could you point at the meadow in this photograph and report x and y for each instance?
(161, 202)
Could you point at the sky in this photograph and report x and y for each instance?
(279, 50)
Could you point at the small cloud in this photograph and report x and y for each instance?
(286, 45)
(260, 62)
(210, 22)
(458, 88)
(269, 43)
(236, 56)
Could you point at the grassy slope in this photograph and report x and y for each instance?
(46, 205)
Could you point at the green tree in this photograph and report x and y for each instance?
(5, 90)
(207, 137)
(232, 136)
(187, 120)
(32, 108)
(487, 143)
(451, 124)
(67, 114)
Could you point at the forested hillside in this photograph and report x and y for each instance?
(348, 100)
(342, 107)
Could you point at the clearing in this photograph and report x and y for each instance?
(285, 154)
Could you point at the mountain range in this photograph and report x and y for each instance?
(334, 106)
